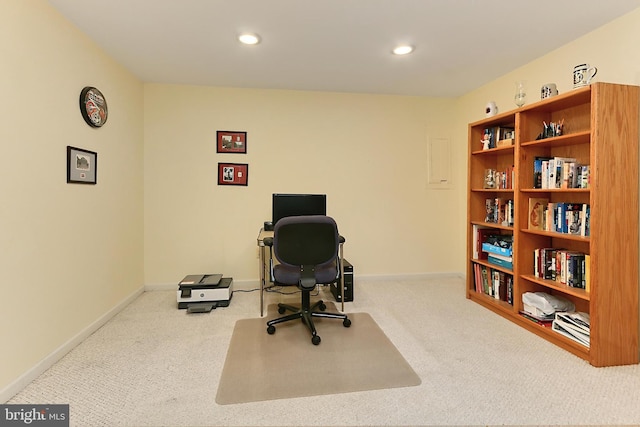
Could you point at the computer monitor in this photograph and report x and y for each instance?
(284, 205)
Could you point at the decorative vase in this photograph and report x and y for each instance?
(521, 95)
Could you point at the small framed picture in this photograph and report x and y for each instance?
(233, 173)
(231, 142)
(81, 166)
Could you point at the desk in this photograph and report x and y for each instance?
(265, 268)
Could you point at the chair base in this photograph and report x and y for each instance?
(306, 313)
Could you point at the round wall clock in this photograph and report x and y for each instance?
(93, 107)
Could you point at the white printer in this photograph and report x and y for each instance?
(203, 292)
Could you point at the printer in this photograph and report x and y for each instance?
(203, 292)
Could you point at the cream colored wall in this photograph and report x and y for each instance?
(70, 253)
(613, 49)
(366, 152)
(73, 253)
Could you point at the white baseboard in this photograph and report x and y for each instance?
(249, 284)
(243, 285)
(406, 276)
(25, 379)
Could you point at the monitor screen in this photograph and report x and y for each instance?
(284, 205)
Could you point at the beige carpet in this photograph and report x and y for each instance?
(261, 367)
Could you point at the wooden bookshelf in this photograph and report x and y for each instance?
(600, 130)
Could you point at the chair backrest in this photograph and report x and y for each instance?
(306, 240)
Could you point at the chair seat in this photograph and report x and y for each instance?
(290, 275)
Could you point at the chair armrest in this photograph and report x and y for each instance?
(342, 239)
(268, 241)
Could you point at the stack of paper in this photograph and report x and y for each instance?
(574, 325)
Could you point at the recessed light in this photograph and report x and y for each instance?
(402, 50)
(249, 38)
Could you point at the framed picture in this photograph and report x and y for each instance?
(81, 166)
(233, 173)
(231, 142)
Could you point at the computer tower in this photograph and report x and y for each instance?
(348, 284)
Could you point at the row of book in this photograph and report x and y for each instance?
(499, 211)
(570, 218)
(500, 179)
(570, 268)
(494, 283)
(560, 172)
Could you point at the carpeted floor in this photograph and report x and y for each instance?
(260, 366)
(154, 365)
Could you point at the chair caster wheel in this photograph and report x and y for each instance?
(315, 340)
(346, 323)
(322, 307)
(271, 329)
(281, 310)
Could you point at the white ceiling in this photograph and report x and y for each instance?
(335, 45)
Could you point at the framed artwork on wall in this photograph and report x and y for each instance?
(81, 166)
(233, 174)
(231, 142)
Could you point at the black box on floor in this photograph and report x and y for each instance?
(348, 284)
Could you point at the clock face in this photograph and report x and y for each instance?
(93, 107)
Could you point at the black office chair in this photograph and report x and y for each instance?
(306, 248)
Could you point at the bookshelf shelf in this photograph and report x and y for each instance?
(492, 151)
(494, 266)
(551, 284)
(600, 130)
(492, 225)
(563, 140)
(557, 235)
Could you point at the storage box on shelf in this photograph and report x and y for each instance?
(596, 129)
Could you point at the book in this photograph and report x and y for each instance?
(587, 273)
(584, 225)
(480, 234)
(550, 217)
(485, 280)
(536, 213)
(537, 171)
(559, 174)
(509, 282)
(574, 218)
(585, 179)
(570, 171)
(502, 294)
(502, 211)
(545, 323)
(549, 264)
(551, 174)
(493, 259)
(496, 284)
(561, 218)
